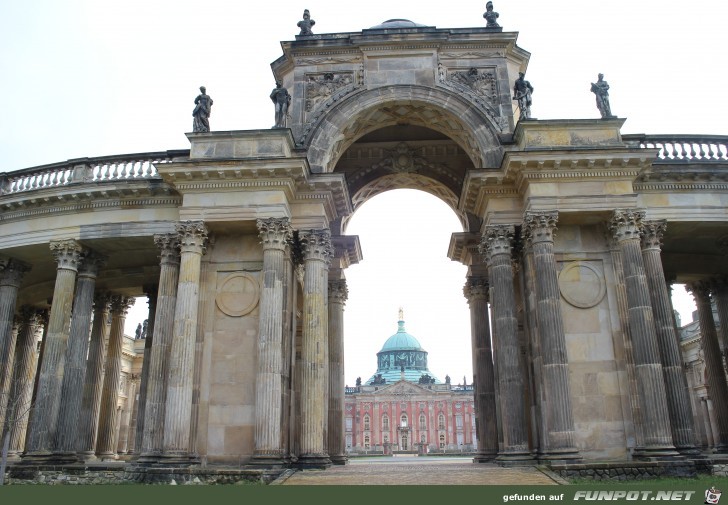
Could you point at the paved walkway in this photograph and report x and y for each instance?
(418, 471)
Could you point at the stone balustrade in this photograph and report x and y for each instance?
(102, 169)
(683, 148)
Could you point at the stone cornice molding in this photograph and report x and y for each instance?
(652, 233)
(193, 236)
(338, 291)
(539, 226)
(275, 233)
(626, 224)
(316, 245)
(67, 253)
(168, 244)
(476, 288)
(497, 240)
(348, 249)
(12, 272)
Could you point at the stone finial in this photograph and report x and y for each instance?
(490, 16)
(601, 90)
(306, 23)
(202, 111)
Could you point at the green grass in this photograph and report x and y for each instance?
(701, 480)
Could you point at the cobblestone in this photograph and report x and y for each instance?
(419, 471)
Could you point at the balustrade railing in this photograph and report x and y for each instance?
(683, 148)
(124, 167)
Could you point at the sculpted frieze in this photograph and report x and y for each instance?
(320, 87)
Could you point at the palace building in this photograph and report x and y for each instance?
(571, 229)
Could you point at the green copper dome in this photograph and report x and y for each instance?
(401, 341)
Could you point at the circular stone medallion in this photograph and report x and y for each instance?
(582, 285)
(238, 294)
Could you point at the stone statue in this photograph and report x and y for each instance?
(306, 23)
(490, 16)
(145, 326)
(281, 99)
(447, 379)
(358, 382)
(203, 107)
(522, 90)
(601, 90)
(138, 332)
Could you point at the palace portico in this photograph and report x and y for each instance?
(240, 245)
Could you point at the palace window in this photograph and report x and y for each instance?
(423, 422)
(385, 422)
(459, 421)
(366, 443)
(403, 421)
(441, 421)
(348, 423)
(442, 441)
(423, 439)
(366, 422)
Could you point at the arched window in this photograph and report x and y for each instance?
(441, 421)
(403, 421)
(385, 422)
(366, 422)
(442, 441)
(423, 422)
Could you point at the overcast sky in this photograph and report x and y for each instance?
(92, 78)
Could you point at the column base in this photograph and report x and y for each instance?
(36, 458)
(177, 459)
(86, 456)
(268, 461)
(515, 458)
(339, 459)
(107, 456)
(485, 457)
(314, 461)
(65, 458)
(657, 453)
(689, 451)
(568, 455)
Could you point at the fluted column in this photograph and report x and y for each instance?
(75, 361)
(140, 405)
(275, 235)
(717, 387)
(476, 292)
(44, 416)
(93, 385)
(676, 384)
(317, 254)
(625, 226)
(719, 287)
(496, 246)
(336, 446)
(178, 409)
(539, 229)
(153, 429)
(11, 275)
(108, 417)
(21, 389)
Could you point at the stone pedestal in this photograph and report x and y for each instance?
(336, 446)
(317, 254)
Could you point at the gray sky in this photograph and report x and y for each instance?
(92, 78)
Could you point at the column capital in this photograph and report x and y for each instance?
(316, 245)
(476, 288)
(12, 272)
(652, 232)
(338, 291)
(719, 285)
(626, 224)
(497, 239)
(102, 301)
(168, 245)
(699, 289)
(30, 316)
(121, 304)
(67, 253)
(275, 233)
(193, 236)
(91, 263)
(539, 226)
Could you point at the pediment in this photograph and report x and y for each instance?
(404, 388)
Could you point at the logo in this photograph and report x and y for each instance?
(712, 496)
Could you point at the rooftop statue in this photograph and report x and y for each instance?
(490, 16)
(601, 90)
(201, 113)
(522, 90)
(281, 100)
(306, 23)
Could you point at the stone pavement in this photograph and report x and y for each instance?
(419, 471)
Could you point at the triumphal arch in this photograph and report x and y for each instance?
(240, 245)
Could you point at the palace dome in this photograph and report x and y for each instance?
(401, 341)
(397, 23)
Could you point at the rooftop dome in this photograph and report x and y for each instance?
(397, 23)
(401, 341)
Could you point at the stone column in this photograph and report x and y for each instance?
(538, 230)
(178, 409)
(91, 400)
(676, 385)
(719, 288)
(476, 292)
(717, 387)
(122, 443)
(496, 246)
(275, 235)
(153, 430)
(140, 405)
(11, 275)
(21, 390)
(336, 446)
(75, 361)
(317, 253)
(44, 416)
(625, 226)
(108, 417)
(6, 402)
